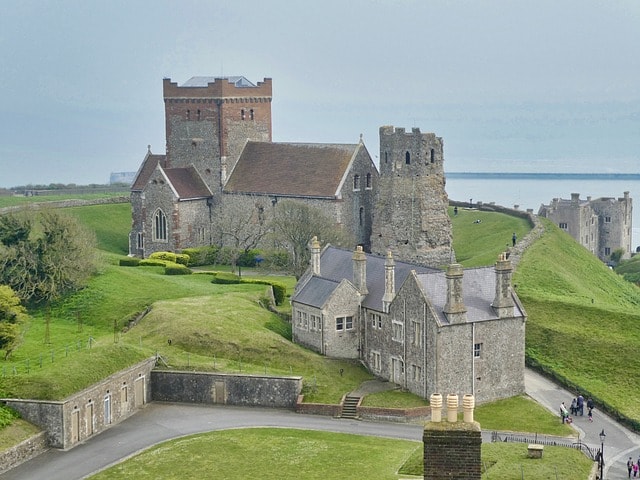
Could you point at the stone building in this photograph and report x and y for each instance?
(601, 225)
(422, 328)
(218, 133)
(410, 217)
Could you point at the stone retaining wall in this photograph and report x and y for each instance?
(24, 451)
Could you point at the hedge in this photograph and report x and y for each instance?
(129, 262)
(177, 269)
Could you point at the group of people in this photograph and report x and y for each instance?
(576, 408)
(633, 467)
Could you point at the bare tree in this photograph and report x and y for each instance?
(241, 223)
(295, 223)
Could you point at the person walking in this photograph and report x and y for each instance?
(564, 413)
(590, 407)
(630, 466)
(574, 407)
(514, 238)
(580, 405)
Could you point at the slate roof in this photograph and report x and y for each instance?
(317, 291)
(312, 169)
(336, 264)
(187, 183)
(237, 80)
(146, 169)
(478, 292)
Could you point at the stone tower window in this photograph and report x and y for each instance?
(188, 114)
(159, 226)
(433, 155)
(361, 219)
(407, 158)
(198, 114)
(356, 182)
(251, 114)
(368, 184)
(386, 157)
(242, 114)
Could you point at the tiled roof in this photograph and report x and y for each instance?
(187, 183)
(291, 169)
(237, 80)
(146, 169)
(316, 292)
(336, 264)
(478, 292)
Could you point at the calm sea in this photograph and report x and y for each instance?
(530, 190)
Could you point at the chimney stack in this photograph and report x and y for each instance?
(455, 309)
(315, 256)
(389, 282)
(360, 270)
(503, 301)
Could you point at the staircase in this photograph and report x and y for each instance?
(349, 407)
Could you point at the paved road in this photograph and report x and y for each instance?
(159, 422)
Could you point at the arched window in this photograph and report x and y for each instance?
(407, 158)
(159, 226)
(242, 114)
(356, 182)
(433, 155)
(251, 114)
(368, 184)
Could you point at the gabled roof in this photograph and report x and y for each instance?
(187, 183)
(478, 292)
(336, 264)
(291, 169)
(146, 169)
(237, 80)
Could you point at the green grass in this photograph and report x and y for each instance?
(111, 223)
(394, 399)
(480, 244)
(288, 453)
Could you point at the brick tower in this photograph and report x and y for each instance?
(410, 217)
(208, 120)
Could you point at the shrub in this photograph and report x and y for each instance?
(176, 269)
(248, 259)
(275, 259)
(129, 262)
(148, 262)
(226, 278)
(201, 255)
(279, 290)
(169, 256)
(7, 416)
(182, 259)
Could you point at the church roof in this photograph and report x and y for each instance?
(146, 169)
(291, 169)
(237, 80)
(187, 183)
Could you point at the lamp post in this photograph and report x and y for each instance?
(602, 436)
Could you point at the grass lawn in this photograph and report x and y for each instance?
(288, 453)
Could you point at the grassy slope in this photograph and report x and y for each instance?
(583, 319)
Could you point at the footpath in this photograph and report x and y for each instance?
(620, 443)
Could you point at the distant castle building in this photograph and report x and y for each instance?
(601, 226)
(219, 149)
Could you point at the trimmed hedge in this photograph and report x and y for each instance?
(168, 256)
(129, 262)
(177, 269)
(226, 278)
(201, 255)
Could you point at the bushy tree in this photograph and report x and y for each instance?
(44, 254)
(12, 316)
(295, 223)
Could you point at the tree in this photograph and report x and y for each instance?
(48, 255)
(12, 315)
(241, 224)
(295, 223)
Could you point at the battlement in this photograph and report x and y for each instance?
(217, 89)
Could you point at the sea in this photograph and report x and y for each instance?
(531, 190)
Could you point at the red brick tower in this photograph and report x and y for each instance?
(208, 121)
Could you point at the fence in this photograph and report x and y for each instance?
(50, 356)
(547, 440)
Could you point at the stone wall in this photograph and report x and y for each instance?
(91, 411)
(452, 450)
(24, 451)
(225, 389)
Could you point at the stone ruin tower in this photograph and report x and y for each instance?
(410, 217)
(208, 121)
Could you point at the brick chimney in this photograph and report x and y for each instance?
(503, 301)
(389, 282)
(360, 270)
(455, 309)
(315, 256)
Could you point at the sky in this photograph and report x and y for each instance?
(510, 85)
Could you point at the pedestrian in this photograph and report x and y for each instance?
(514, 238)
(635, 469)
(580, 405)
(574, 407)
(630, 466)
(455, 210)
(590, 407)
(564, 413)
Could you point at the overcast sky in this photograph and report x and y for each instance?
(532, 85)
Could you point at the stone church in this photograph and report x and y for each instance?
(219, 147)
